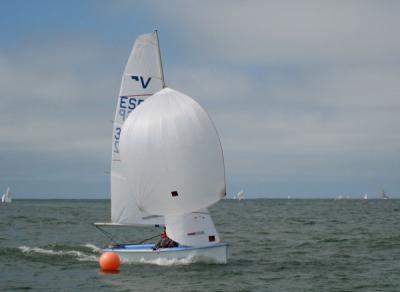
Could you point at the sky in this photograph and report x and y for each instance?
(305, 94)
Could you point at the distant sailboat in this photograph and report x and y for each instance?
(383, 195)
(365, 196)
(240, 195)
(6, 198)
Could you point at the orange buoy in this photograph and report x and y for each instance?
(109, 261)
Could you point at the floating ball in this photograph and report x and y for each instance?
(109, 261)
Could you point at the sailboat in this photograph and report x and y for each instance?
(365, 196)
(167, 164)
(383, 195)
(6, 197)
(240, 195)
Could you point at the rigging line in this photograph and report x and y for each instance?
(149, 238)
(108, 235)
(140, 242)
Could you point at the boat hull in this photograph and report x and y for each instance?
(144, 253)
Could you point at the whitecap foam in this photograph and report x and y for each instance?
(94, 248)
(80, 256)
(170, 262)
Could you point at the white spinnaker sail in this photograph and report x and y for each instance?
(172, 154)
(193, 229)
(142, 77)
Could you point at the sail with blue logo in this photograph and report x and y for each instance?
(142, 77)
(167, 160)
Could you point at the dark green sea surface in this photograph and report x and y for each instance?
(274, 245)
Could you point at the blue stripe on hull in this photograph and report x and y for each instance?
(149, 247)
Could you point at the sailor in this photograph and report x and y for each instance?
(165, 241)
(163, 234)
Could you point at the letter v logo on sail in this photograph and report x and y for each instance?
(144, 84)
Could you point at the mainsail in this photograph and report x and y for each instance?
(142, 77)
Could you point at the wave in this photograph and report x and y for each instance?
(78, 255)
(94, 248)
(170, 262)
(192, 259)
(90, 253)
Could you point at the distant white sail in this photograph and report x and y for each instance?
(383, 195)
(171, 152)
(142, 77)
(365, 196)
(6, 197)
(240, 195)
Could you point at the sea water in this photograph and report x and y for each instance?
(274, 245)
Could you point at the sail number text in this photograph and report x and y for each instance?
(126, 105)
(117, 135)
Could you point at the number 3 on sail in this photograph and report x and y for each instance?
(167, 164)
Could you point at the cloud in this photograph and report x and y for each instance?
(303, 94)
(288, 31)
(57, 102)
(57, 96)
(336, 123)
(309, 90)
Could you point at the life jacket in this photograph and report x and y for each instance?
(163, 235)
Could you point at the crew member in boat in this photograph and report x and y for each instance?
(165, 241)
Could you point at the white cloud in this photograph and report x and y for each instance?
(331, 124)
(314, 92)
(58, 97)
(299, 91)
(289, 31)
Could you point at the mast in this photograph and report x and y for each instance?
(159, 60)
(383, 194)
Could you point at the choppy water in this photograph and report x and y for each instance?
(275, 245)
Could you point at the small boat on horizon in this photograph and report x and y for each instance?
(384, 196)
(239, 196)
(6, 197)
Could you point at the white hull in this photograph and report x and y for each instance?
(184, 254)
